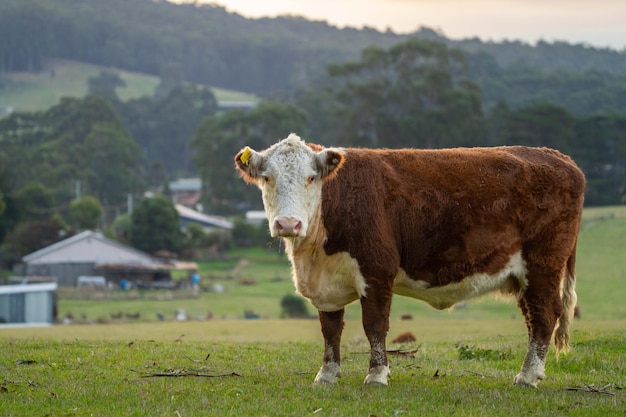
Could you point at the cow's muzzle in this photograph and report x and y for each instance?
(287, 227)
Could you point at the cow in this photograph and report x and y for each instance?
(442, 226)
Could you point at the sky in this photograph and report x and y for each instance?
(600, 23)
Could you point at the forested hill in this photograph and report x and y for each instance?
(213, 46)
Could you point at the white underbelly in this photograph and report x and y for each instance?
(469, 287)
(332, 282)
(329, 282)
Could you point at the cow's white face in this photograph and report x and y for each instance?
(290, 175)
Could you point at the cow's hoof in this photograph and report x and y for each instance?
(377, 376)
(328, 374)
(524, 381)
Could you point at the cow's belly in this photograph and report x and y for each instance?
(510, 279)
(329, 282)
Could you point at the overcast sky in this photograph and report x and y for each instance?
(599, 23)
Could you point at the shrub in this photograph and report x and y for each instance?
(293, 307)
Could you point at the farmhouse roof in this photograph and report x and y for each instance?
(201, 218)
(88, 247)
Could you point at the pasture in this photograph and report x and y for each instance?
(40, 91)
(462, 363)
(458, 367)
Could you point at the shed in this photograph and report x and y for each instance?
(28, 304)
(92, 254)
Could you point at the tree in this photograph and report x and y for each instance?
(220, 137)
(121, 228)
(155, 226)
(112, 163)
(413, 94)
(36, 200)
(540, 124)
(105, 84)
(86, 212)
(600, 150)
(12, 212)
(33, 235)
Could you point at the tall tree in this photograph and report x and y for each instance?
(86, 212)
(155, 226)
(413, 94)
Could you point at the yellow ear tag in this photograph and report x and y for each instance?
(245, 156)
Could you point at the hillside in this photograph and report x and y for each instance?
(279, 56)
(33, 91)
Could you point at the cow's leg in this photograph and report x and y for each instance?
(332, 326)
(541, 305)
(376, 306)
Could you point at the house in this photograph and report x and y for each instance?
(188, 216)
(186, 191)
(28, 304)
(92, 254)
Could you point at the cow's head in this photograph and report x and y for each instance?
(290, 175)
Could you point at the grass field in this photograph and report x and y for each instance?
(40, 91)
(193, 369)
(265, 367)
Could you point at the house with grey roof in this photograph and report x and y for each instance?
(92, 254)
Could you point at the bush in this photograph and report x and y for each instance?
(293, 307)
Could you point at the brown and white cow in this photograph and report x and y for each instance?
(442, 226)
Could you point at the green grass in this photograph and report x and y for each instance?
(40, 91)
(105, 373)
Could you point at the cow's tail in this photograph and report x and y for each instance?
(569, 298)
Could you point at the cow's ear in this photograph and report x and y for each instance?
(248, 162)
(329, 161)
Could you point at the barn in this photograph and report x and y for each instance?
(92, 254)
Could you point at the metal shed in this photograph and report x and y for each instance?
(28, 304)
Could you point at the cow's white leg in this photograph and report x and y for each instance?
(332, 326)
(534, 366)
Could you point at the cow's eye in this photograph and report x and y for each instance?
(265, 178)
(310, 179)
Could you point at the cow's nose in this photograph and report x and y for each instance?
(288, 226)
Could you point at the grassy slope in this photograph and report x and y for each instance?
(32, 92)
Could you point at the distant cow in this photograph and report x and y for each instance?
(442, 226)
